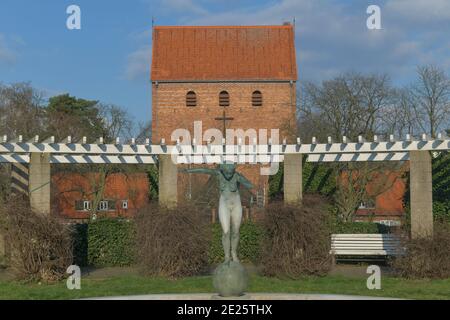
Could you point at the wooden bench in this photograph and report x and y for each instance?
(362, 246)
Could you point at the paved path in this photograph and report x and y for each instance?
(251, 296)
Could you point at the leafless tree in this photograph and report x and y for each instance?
(116, 122)
(351, 105)
(431, 99)
(21, 110)
(399, 118)
(359, 182)
(348, 105)
(144, 131)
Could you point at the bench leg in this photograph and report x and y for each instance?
(333, 260)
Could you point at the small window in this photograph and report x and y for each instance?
(367, 204)
(103, 205)
(224, 99)
(82, 205)
(191, 99)
(79, 205)
(124, 204)
(257, 99)
(86, 205)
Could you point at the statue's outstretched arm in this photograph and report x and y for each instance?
(199, 170)
(245, 182)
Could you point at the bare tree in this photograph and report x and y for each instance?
(348, 105)
(359, 182)
(399, 117)
(351, 105)
(21, 110)
(116, 122)
(431, 99)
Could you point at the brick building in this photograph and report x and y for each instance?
(247, 73)
(201, 73)
(73, 194)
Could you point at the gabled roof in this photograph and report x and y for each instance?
(208, 53)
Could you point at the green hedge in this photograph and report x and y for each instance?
(249, 244)
(80, 244)
(111, 242)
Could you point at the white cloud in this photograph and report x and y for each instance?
(138, 63)
(332, 36)
(7, 55)
(419, 10)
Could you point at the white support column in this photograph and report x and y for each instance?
(39, 182)
(293, 178)
(421, 194)
(168, 181)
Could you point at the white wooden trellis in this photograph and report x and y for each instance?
(81, 152)
(49, 152)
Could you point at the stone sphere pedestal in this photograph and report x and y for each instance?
(230, 279)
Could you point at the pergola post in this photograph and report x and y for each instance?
(421, 194)
(39, 182)
(293, 175)
(168, 178)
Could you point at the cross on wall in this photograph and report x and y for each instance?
(224, 119)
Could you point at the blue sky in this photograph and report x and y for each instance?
(109, 58)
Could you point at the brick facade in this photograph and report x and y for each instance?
(70, 188)
(208, 60)
(277, 112)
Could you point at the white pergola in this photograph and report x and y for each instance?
(39, 155)
(82, 152)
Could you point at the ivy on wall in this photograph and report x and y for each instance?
(319, 178)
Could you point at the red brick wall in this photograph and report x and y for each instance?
(67, 188)
(389, 203)
(170, 112)
(277, 112)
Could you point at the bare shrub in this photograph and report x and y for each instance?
(173, 242)
(426, 257)
(297, 239)
(40, 246)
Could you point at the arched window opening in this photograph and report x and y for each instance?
(191, 99)
(224, 99)
(257, 99)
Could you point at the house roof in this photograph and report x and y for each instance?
(208, 53)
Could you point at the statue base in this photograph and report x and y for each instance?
(230, 279)
(245, 296)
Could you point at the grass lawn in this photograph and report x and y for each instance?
(135, 285)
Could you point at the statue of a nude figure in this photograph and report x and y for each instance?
(230, 208)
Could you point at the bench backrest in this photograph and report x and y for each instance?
(365, 244)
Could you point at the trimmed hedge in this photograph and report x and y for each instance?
(80, 244)
(249, 244)
(111, 242)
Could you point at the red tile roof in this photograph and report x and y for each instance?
(200, 53)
